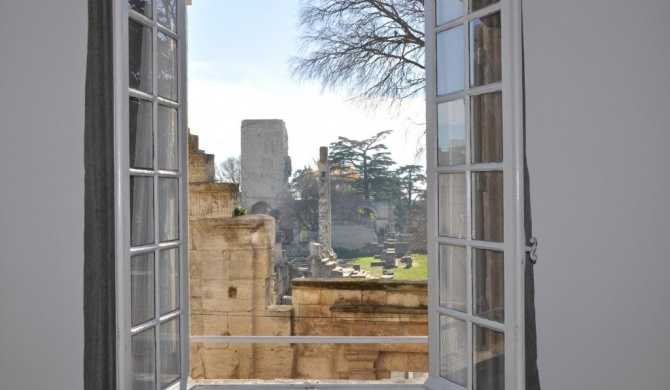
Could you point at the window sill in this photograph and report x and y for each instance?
(306, 384)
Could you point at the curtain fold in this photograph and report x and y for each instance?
(99, 232)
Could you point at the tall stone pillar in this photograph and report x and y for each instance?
(324, 199)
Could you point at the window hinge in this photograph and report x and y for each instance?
(532, 249)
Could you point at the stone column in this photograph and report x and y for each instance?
(324, 199)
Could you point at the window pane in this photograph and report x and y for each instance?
(144, 360)
(489, 284)
(141, 210)
(169, 280)
(453, 277)
(451, 133)
(453, 350)
(485, 50)
(168, 208)
(141, 137)
(479, 4)
(450, 67)
(452, 205)
(489, 359)
(139, 55)
(170, 352)
(142, 288)
(141, 6)
(167, 13)
(167, 67)
(447, 10)
(487, 206)
(487, 142)
(167, 139)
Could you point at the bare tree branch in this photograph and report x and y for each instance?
(373, 49)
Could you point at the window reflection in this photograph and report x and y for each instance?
(485, 50)
(453, 277)
(448, 10)
(489, 359)
(167, 13)
(141, 288)
(488, 271)
(141, 6)
(450, 57)
(453, 350)
(487, 143)
(144, 360)
(167, 67)
(451, 133)
(168, 152)
(141, 135)
(141, 210)
(487, 206)
(452, 205)
(140, 70)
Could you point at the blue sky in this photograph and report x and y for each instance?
(238, 69)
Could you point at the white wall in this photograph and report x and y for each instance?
(598, 133)
(42, 74)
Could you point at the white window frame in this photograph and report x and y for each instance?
(121, 16)
(514, 246)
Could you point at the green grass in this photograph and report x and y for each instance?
(419, 270)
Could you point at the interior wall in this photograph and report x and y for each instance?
(42, 75)
(598, 131)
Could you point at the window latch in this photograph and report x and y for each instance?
(532, 249)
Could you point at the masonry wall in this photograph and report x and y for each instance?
(348, 307)
(42, 78)
(265, 165)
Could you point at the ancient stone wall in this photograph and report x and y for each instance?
(231, 266)
(346, 307)
(352, 237)
(265, 164)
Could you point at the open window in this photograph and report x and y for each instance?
(151, 188)
(475, 182)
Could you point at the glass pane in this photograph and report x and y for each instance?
(139, 55)
(487, 206)
(450, 67)
(489, 359)
(141, 288)
(487, 142)
(141, 210)
(141, 134)
(453, 277)
(144, 360)
(447, 10)
(453, 350)
(167, 67)
(168, 208)
(451, 133)
(489, 284)
(452, 210)
(169, 280)
(479, 4)
(167, 13)
(485, 50)
(170, 351)
(167, 139)
(141, 6)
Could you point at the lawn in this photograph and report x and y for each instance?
(419, 270)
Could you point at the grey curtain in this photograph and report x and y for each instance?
(99, 232)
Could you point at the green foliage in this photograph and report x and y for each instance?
(364, 164)
(239, 210)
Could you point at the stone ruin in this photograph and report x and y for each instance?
(394, 253)
(238, 271)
